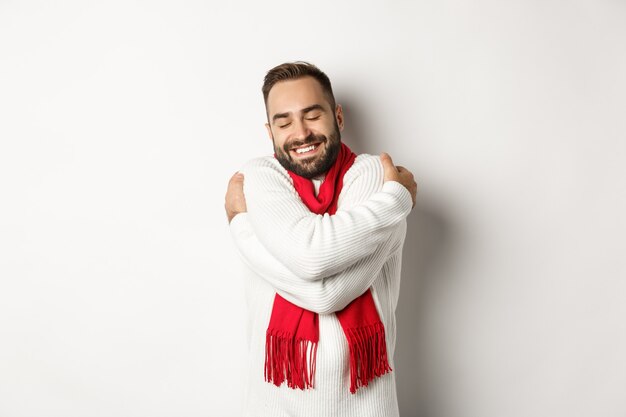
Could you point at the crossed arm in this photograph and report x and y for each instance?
(322, 296)
(320, 262)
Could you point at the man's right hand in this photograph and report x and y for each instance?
(399, 174)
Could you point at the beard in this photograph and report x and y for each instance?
(315, 165)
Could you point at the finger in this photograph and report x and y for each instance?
(385, 157)
(237, 187)
(238, 177)
(386, 160)
(403, 170)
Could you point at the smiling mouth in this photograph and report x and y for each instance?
(306, 150)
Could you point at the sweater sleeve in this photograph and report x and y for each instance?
(314, 246)
(323, 296)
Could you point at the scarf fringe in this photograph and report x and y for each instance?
(289, 359)
(368, 354)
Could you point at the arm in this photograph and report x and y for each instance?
(321, 296)
(314, 246)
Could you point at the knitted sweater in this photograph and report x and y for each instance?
(320, 263)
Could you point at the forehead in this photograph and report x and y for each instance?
(294, 95)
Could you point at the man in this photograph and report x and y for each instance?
(321, 231)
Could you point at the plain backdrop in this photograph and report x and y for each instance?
(122, 121)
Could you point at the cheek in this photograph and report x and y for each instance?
(329, 124)
(326, 129)
(279, 140)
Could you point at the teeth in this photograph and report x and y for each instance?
(303, 150)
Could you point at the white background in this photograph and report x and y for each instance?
(122, 121)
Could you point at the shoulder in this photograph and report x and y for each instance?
(264, 167)
(367, 161)
(364, 178)
(260, 162)
(366, 167)
(265, 174)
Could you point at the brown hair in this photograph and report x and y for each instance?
(295, 70)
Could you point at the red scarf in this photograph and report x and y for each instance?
(293, 332)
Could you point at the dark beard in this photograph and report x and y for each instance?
(318, 166)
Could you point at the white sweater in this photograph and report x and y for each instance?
(320, 263)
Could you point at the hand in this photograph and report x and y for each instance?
(235, 201)
(399, 174)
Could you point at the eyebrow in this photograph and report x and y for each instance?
(304, 110)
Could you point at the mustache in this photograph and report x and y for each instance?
(308, 140)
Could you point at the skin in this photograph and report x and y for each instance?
(300, 114)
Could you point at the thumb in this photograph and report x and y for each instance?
(389, 170)
(385, 158)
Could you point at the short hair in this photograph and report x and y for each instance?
(293, 71)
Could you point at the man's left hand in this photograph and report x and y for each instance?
(235, 199)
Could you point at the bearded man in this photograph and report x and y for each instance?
(321, 230)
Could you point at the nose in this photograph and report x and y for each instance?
(301, 130)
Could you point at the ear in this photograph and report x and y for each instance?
(269, 131)
(339, 116)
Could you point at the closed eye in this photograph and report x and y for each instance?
(285, 125)
(313, 118)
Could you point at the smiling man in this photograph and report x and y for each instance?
(321, 230)
(306, 139)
